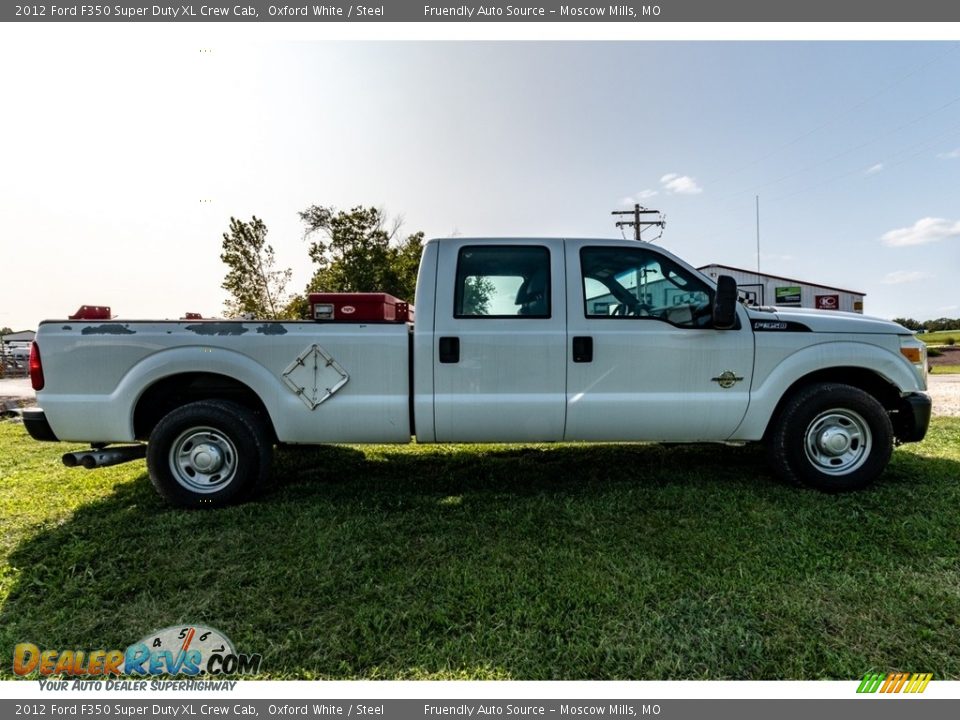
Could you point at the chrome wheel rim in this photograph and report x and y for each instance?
(203, 459)
(838, 441)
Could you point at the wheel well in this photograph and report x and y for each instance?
(174, 391)
(885, 392)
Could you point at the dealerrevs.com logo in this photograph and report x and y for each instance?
(178, 650)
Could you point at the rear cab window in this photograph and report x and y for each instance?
(503, 281)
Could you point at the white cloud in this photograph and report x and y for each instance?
(923, 231)
(952, 155)
(898, 277)
(680, 184)
(773, 257)
(639, 197)
(874, 169)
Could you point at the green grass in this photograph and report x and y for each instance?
(566, 562)
(945, 369)
(939, 337)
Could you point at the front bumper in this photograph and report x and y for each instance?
(35, 421)
(912, 419)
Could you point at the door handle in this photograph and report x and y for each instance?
(449, 349)
(583, 349)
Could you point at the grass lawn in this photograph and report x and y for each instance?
(945, 369)
(526, 562)
(939, 337)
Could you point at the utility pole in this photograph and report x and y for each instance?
(637, 224)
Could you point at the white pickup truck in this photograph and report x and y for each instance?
(515, 340)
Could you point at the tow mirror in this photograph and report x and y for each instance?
(725, 303)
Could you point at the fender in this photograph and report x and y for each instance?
(193, 359)
(109, 418)
(767, 393)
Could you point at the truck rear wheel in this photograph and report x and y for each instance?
(831, 437)
(209, 454)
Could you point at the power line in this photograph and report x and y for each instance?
(856, 106)
(899, 159)
(843, 153)
(927, 147)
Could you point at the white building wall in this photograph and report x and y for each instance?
(766, 285)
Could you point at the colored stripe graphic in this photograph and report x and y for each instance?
(898, 679)
(870, 683)
(894, 682)
(919, 682)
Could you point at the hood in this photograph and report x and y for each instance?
(826, 321)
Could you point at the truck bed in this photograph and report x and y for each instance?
(97, 372)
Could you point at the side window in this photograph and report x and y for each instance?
(637, 283)
(497, 281)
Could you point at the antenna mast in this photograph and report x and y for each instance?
(758, 234)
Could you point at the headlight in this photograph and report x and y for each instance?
(916, 352)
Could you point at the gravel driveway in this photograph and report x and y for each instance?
(15, 392)
(945, 391)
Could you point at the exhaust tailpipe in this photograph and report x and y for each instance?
(91, 459)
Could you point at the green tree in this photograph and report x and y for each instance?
(909, 324)
(476, 295)
(298, 308)
(359, 251)
(5, 331)
(256, 288)
(942, 324)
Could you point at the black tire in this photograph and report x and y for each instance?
(209, 454)
(831, 437)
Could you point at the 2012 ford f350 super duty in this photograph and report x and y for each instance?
(515, 340)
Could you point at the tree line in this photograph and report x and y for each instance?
(937, 325)
(356, 250)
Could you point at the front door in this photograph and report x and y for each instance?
(644, 362)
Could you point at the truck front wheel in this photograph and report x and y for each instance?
(831, 437)
(208, 454)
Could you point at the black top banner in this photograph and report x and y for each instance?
(494, 11)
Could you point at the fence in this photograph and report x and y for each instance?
(13, 362)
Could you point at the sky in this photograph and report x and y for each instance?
(123, 161)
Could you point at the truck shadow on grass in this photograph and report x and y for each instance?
(518, 469)
(545, 562)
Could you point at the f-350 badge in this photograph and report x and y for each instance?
(727, 379)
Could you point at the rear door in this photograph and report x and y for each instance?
(500, 341)
(645, 362)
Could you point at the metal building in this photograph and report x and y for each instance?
(764, 289)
